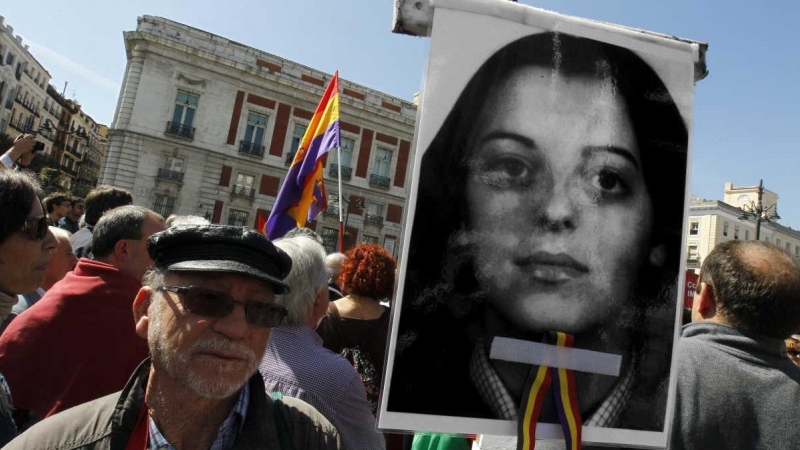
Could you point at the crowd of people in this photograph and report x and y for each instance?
(178, 333)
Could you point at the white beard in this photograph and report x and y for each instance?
(177, 364)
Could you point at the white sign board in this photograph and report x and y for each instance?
(549, 194)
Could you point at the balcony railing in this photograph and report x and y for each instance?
(244, 191)
(379, 181)
(373, 219)
(290, 158)
(346, 171)
(180, 130)
(170, 175)
(251, 148)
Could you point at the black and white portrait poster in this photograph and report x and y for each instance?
(549, 195)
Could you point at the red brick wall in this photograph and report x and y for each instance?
(364, 154)
(217, 211)
(312, 80)
(394, 213)
(269, 185)
(386, 138)
(402, 163)
(237, 113)
(260, 101)
(279, 132)
(268, 65)
(225, 176)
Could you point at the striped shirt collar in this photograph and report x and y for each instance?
(226, 435)
(495, 394)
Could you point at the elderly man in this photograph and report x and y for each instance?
(206, 311)
(736, 387)
(297, 364)
(78, 342)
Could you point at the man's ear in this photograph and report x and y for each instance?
(122, 250)
(706, 303)
(141, 305)
(319, 307)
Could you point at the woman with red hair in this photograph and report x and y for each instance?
(357, 325)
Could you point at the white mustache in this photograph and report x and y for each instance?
(221, 344)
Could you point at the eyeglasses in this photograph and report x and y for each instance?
(210, 303)
(36, 228)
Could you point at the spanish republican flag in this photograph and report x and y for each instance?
(302, 195)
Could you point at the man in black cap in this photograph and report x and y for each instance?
(206, 310)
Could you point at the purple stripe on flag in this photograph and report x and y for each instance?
(280, 222)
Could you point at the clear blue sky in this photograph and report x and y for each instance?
(746, 116)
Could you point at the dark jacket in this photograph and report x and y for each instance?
(107, 423)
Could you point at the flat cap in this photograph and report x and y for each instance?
(220, 248)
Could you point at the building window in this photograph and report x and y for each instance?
(346, 145)
(746, 235)
(788, 247)
(725, 229)
(369, 239)
(389, 244)
(736, 233)
(797, 251)
(380, 168)
(374, 214)
(183, 116)
(778, 242)
(164, 205)
(172, 170)
(692, 254)
(253, 142)
(383, 159)
(694, 227)
(297, 136)
(237, 218)
(346, 150)
(766, 238)
(10, 59)
(330, 238)
(244, 185)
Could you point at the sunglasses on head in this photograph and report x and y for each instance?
(210, 303)
(36, 228)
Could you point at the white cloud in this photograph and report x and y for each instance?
(50, 58)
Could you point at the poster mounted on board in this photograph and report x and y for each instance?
(549, 195)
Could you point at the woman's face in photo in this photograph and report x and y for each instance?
(559, 215)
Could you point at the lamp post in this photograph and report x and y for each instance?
(343, 224)
(759, 212)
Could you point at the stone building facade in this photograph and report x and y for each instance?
(207, 126)
(24, 102)
(715, 221)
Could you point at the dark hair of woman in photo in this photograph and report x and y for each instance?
(357, 325)
(551, 199)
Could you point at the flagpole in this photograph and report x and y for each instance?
(341, 223)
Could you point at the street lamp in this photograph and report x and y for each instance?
(79, 133)
(759, 212)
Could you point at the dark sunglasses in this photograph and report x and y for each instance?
(210, 303)
(36, 228)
